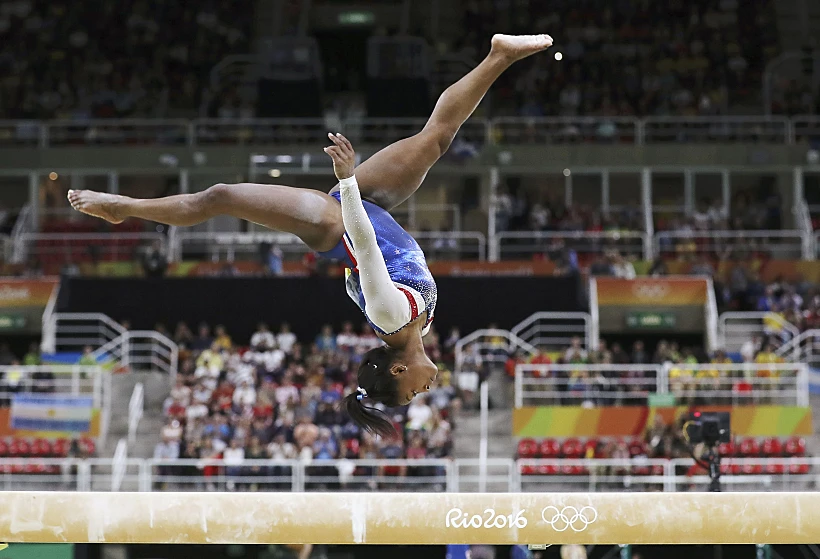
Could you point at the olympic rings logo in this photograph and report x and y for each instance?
(569, 518)
(650, 290)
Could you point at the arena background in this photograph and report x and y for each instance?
(625, 233)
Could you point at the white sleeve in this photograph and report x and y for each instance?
(386, 306)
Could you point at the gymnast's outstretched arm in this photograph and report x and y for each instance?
(386, 306)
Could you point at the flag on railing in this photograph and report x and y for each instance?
(42, 412)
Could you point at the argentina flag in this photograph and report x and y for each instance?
(41, 412)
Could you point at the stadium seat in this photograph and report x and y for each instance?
(527, 448)
(772, 447)
(795, 446)
(60, 448)
(572, 448)
(549, 448)
(749, 448)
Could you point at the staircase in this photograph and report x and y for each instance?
(148, 430)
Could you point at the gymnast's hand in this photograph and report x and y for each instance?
(344, 158)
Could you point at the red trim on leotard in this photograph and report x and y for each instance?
(350, 255)
(414, 308)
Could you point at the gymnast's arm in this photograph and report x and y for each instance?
(386, 306)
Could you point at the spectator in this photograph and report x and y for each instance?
(222, 341)
(32, 358)
(233, 457)
(262, 340)
(285, 339)
(623, 268)
(326, 341)
(203, 340)
(347, 340)
(155, 263)
(244, 396)
(166, 450)
(419, 415)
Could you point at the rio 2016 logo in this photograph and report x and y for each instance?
(560, 520)
(457, 518)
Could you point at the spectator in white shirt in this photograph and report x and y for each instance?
(201, 394)
(575, 350)
(419, 414)
(181, 393)
(287, 393)
(233, 458)
(285, 338)
(623, 268)
(244, 395)
(368, 338)
(347, 340)
(262, 340)
(172, 432)
(167, 449)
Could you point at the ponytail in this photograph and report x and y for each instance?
(376, 383)
(370, 419)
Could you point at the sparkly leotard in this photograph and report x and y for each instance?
(405, 262)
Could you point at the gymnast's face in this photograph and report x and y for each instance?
(413, 379)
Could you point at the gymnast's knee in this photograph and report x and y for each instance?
(443, 135)
(214, 198)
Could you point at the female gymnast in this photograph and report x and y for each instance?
(387, 273)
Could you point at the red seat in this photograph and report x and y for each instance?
(752, 469)
(796, 446)
(727, 449)
(799, 469)
(546, 470)
(572, 448)
(61, 447)
(775, 469)
(88, 446)
(527, 470)
(41, 448)
(549, 448)
(527, 448)
(4, 448)
(772, 447)
(749, 448)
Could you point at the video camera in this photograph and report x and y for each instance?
(709, 428)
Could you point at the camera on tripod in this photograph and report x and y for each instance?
(709, 428)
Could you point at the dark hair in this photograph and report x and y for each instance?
(375, 378)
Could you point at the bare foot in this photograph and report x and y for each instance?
(97, 204)
(517, 47)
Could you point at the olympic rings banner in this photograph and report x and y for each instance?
(575, 421)
(650, 292)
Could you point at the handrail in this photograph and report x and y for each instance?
(655, 129)
(796, 349)
(528, 328)
(754, 327)
(119, 465)
(513, 342)
(451, 475)
(661, 379)
(136, 408)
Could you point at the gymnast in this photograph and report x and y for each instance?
(387, 274)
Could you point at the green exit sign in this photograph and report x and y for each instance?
(12, 322)
(357, 18)
(650, 320)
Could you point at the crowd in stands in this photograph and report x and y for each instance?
(132, 58)
(276, 399)
(631, 58)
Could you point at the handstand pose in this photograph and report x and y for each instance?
(387, 273)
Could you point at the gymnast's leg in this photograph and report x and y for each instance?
(313, 216)
(393, 174)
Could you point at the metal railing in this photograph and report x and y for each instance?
(491, 345)
(75, 331)
(67, 248)
(575, 385)
(515, 244)
(705, 129)
(737, 328)
(554, 329)
(504, 475)
(452, 245)
(74, 380)
(774, 243)
(785, 384)
(515, 130)
(804, 348)
(136, 409)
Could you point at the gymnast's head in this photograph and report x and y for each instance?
(388, 376)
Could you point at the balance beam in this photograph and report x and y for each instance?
(410, 518)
